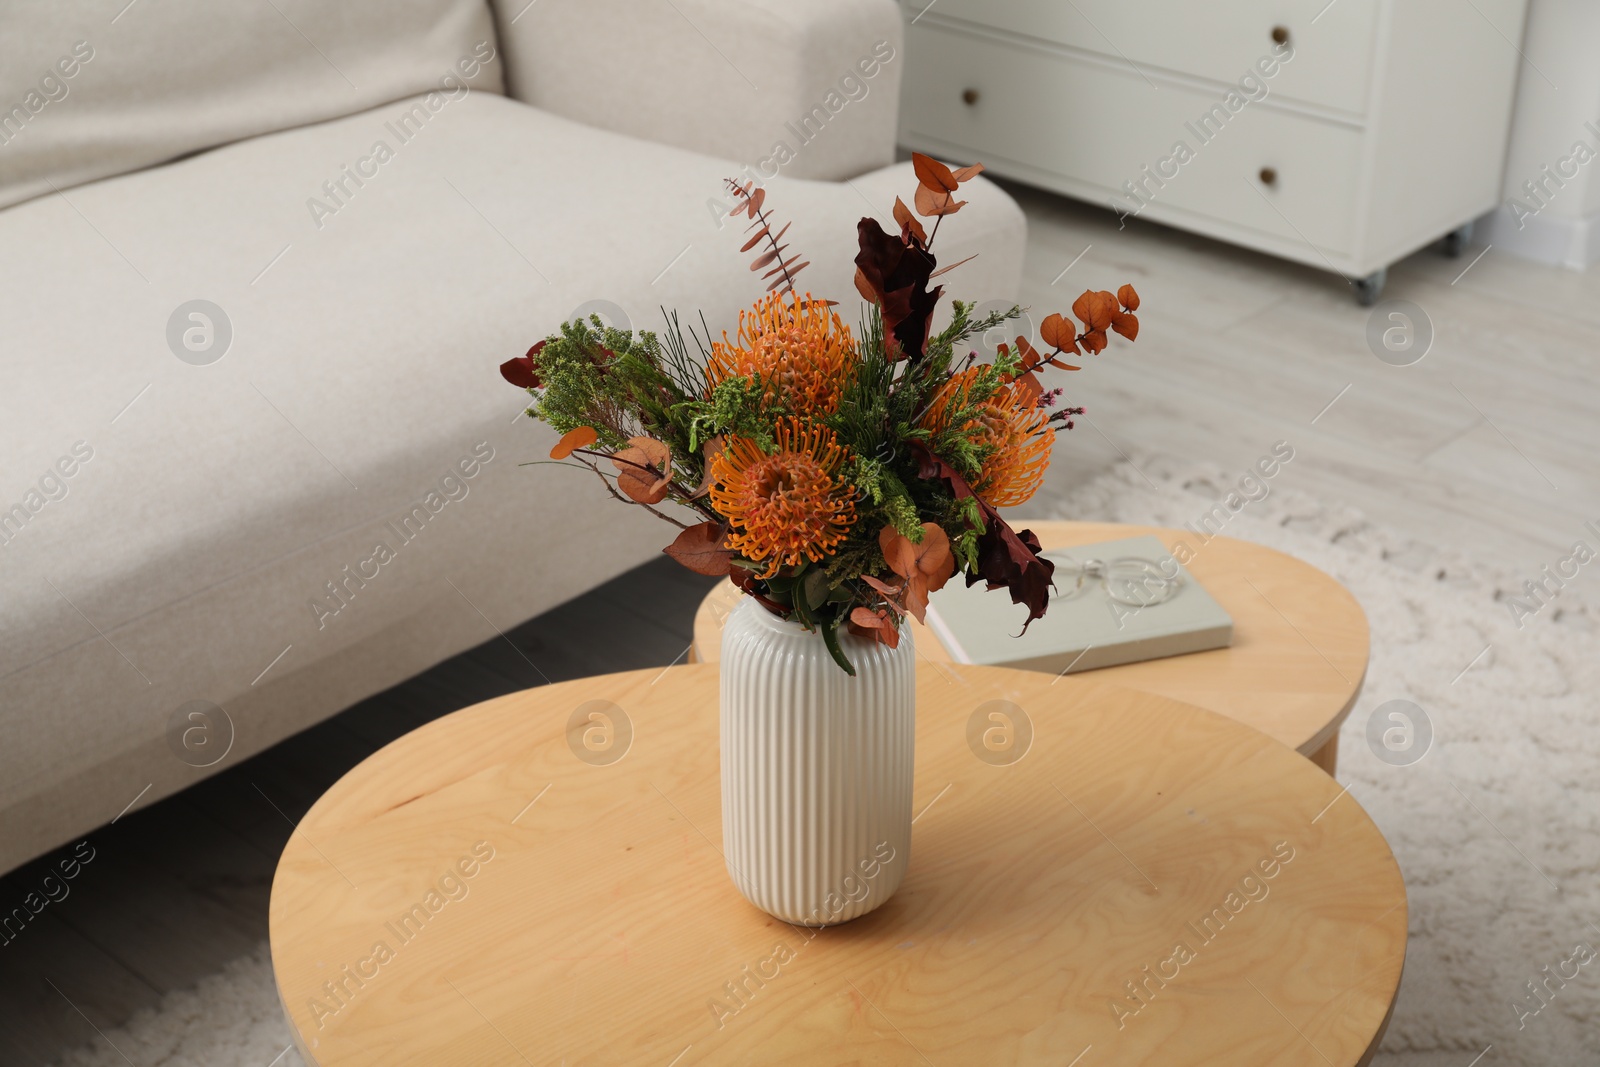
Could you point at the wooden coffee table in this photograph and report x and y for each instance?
(496, 888)
(1299, 651)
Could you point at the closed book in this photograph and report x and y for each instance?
(1086, 627)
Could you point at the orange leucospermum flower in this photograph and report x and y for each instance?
(784, 506)
(1011, 423)
(799, 348)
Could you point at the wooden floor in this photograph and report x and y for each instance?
(1488, 444)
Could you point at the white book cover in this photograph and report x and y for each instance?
(1086, 627)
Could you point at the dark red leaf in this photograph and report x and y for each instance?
(520, 372)
(896, 278)
(523, 372)
(1006, 558)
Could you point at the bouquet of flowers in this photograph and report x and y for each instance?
(837, 477)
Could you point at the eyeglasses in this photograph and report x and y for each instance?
(1129, 580)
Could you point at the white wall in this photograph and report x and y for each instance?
(1558, 98)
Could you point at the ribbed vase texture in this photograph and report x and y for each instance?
(816, 768)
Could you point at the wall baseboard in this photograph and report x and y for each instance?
(1564, 242)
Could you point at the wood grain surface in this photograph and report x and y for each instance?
(1299, 651)
(581, 912)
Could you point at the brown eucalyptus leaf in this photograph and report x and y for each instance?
(908, 222)
(1030, 387)
(786, 266)
(709, 450)
(1031, 357)
(953, 266)
(1095, 309)
(700, 549)
(1058, 333)
(931, 203)
(962, 174)
(864, 287)
(660, 455)
(875, 626)
(898, 551)
(644, 470)
(748, 245)
(885, 588)
(1128, 298)
(582, 437)
(642, 487)
(932, 174)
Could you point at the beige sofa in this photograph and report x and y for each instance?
(306, 489)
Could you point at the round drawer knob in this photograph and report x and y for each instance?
(1269, 176)
(969, 96)
(1280, 34)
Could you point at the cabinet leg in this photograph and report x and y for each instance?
(1456, 241)
(1368, 289)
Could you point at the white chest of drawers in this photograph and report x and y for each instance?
(1344, 134)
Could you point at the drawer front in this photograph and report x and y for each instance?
(1094, 124)
(1330, 65)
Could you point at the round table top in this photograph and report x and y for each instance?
(1133, 880)
(1300, 640)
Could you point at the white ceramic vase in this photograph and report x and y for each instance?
(816, 768)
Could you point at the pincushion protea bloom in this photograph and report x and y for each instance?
(787, 506)
(1013, 424)
(811, 457)
(798, 347)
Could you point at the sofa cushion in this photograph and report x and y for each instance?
(204, 497)
(87, 91)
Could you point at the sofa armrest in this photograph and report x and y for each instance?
(810, 88)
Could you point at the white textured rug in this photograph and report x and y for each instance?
(1497, 827)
